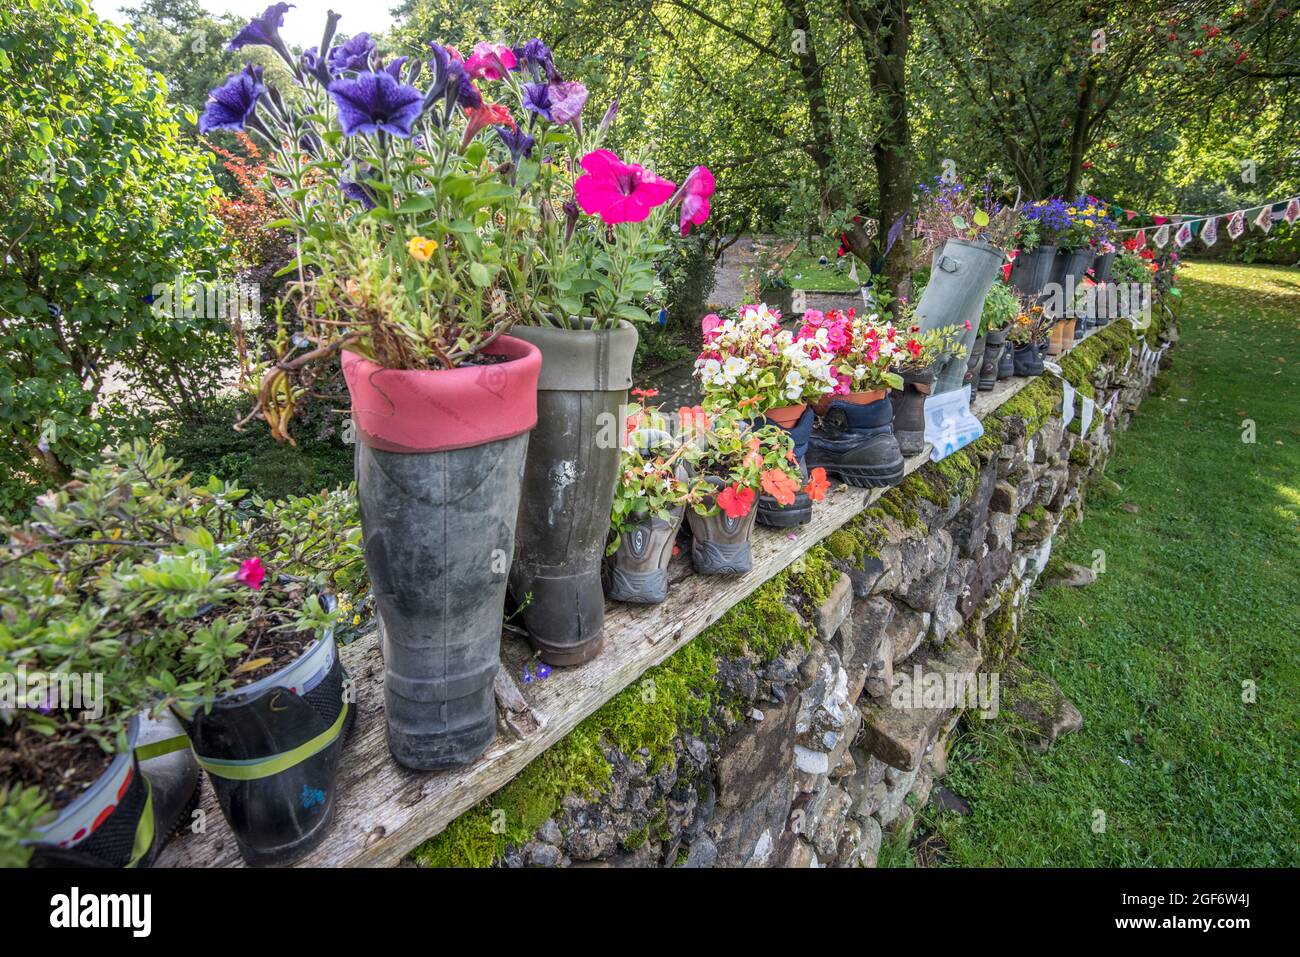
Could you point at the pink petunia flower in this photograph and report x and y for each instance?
(695, 198)
(251, 573)
(490, 61)
(619, 192)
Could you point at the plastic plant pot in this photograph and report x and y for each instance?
(569, 480)
(439, 467)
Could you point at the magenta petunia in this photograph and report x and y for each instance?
(490, 61)
(696, 192)
(619, 192)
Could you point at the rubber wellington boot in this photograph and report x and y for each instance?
(568, 488)
(856, 444)
(719, 544)
(126, 817)
(271, 751)
(799, 512)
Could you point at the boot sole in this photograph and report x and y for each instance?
(573, 655)
(863, 477)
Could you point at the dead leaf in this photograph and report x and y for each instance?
(253, 665)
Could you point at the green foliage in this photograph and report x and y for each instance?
(686, 271)
(207, 445)
(22, 810)
(103, 202)
(1000, 307)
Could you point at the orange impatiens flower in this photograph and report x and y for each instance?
(693, 418)
(780, 486)
(817, 484)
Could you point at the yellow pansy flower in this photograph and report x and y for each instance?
(421, 248)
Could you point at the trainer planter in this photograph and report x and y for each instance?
(923, 355)
(650, 501)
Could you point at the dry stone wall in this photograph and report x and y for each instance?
(812, 748)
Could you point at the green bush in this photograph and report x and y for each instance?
(104, 203)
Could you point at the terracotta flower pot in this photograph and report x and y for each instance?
(786, 416)
(822, 405)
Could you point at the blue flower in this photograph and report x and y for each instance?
(264, 31)
(543, 671)
(231, 105)
(353, 55)
(527, 676)
(516, 141)
(374, 101)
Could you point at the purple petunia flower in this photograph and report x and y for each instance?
(536, 55)
(263, 31)
(468, 95)
(231, 105)
(353, 55)
(516, 141)
(394, 69)
(558, 102)
(527, 676)
(374, 101)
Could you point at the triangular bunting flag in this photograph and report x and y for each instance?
(1183, 236)
(1292, 211)
(1210, 231)
(1162, 235)
(1142, 237)
(1130, 213)
(1237, 224)
(1160, 220)
(1265, 219)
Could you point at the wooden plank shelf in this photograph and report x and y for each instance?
(384, 810)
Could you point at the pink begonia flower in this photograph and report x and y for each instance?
(709, 326)
(251, 573)
(695, 198)
(490, 61)
(619, 192)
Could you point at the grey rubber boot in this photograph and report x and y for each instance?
(569, 480)
(960, 277)
(1032, 270)
(439, 531)
(721, 545)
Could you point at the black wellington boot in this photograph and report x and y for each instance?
(1029, 360)
(856, 444)
(1007, 362)
(988, 372)
(799, 512)
(272, 756)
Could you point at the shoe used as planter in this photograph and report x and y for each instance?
(988, 371)
(271, 750)
(720, 545)
(131, 811)
(1028, 360)
(568, 488)
(1032, 270)
(909, 408)
(637, 572)
(975, 361)
(854, 441)
(439, 466)
(1007, 361)
(798, 422)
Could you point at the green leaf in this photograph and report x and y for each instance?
(480, 274)
(416, 204)
(981, 218)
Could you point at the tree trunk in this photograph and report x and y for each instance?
(819, 119)
(883, 30)
(1079, 133)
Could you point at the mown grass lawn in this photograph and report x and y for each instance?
(1199, 603)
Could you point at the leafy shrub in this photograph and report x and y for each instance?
(104, 201)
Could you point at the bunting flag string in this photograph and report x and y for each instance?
(1265, 219)
(1292, 211)
(1278, 209)
(1237, 224)
(1183, 236)
(1162, 236)
(1210, 231)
